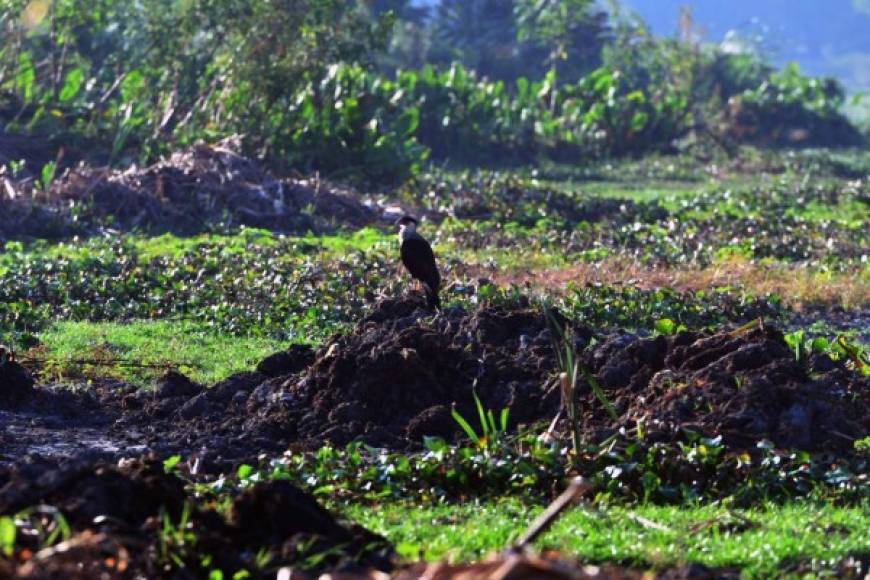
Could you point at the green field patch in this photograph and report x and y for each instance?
(140, 351)
(762, 541)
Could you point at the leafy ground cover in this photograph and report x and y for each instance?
(663, 273)
(724, 249)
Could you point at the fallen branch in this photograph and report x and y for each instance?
(579, 486)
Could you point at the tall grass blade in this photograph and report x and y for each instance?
(481, 414)
(600, 394)
(463, 424)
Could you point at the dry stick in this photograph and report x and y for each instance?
(579, 486)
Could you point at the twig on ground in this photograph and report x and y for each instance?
(578, 487)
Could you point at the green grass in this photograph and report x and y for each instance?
(206, 355)
(761, 542)
(172, 246)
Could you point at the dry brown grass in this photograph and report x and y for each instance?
(799, 286)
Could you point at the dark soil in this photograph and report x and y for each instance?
(396, 376)
(391, 381)
(117, 513)
(742, 386)
(16, 384)
(189, 192)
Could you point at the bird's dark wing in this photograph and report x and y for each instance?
(418, 258)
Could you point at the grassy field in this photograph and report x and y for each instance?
(797, 240)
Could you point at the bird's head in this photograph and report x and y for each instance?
(406, 222)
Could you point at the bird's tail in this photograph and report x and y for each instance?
(432, 298)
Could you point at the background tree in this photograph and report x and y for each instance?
(478, 33)
(569, 31)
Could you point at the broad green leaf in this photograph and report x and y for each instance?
(8, 532)
(72, 85)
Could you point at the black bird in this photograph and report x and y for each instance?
(418, 258)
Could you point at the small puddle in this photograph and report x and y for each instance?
(30, 434)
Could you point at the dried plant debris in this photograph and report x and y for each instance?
(190, 191)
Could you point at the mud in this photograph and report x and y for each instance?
(188, 192)
(115, 535)
(395, 377)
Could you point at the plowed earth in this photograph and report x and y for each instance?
(188, 192)
(389, 382)
(394, 378)
(115, 537)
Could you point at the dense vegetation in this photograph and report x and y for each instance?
(310, 86)
(637, 236)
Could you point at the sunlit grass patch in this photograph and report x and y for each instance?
(140, 351)
(169, 245)
(362, 240)
(762, 541)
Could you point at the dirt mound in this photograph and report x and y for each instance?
(188, 192)
(743, 386)
(280, 515)
(16, 384)
(84, 491)
(287, 362)
(117, 516)
(395, 377)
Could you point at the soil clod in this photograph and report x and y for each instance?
(16, 384)
(118, 514)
